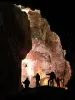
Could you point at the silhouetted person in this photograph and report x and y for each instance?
(58, 82)
(37, 80)
(51, 79)
(26, 83)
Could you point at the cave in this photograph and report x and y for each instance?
(46, 55)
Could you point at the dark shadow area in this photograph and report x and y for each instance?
(15, 43)
(44, 92)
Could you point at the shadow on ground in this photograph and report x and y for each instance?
(44, 93)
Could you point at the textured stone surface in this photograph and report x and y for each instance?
(15, 43)
(46, 54)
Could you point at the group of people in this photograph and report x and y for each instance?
(27, 82)
(50, 81)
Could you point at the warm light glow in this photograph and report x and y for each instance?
(55, 84)
(45, 81)
(61, 84)
(29, 68)
(26, 10)
(42, 75)
(66, 88)
(30, 73)
(24, 61)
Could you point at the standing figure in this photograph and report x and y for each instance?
(51, 79)
(58, 82)
(37, 80)
(26, 82)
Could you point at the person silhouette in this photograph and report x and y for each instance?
(51, 79)
(26, 83)
(37, 80)
(58, 82)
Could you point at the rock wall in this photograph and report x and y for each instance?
(15, 43)
(46, 54)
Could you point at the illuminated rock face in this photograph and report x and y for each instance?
(46, 54)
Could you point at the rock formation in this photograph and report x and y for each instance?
(46, 54)
(15, 43)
